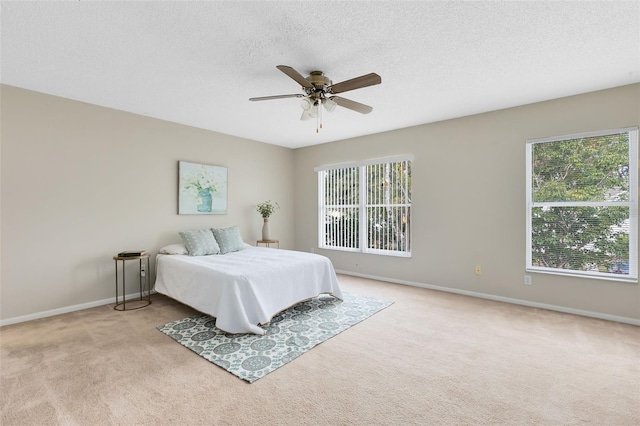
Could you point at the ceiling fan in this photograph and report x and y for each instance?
(320, 91)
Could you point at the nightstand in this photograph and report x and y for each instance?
(268, 243)
(143, 273)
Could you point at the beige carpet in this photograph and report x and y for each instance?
(431, 358)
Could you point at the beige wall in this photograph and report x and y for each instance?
(468, 186)
(81, 183)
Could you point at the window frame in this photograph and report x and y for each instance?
(631, 203)
(363, 204)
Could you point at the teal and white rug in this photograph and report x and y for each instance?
(288, 335)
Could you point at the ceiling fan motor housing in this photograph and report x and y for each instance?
(317, 78)
(320, 83)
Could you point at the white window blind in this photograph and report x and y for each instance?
(340, 209)
(582, 204)
(366, 206)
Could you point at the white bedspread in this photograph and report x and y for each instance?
(245, 288)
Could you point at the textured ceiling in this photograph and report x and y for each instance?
(197, 63)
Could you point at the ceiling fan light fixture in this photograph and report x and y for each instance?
(313, 111)
(329, 104)
(306, 104)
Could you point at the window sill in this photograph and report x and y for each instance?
(577, 274)
(376, 252)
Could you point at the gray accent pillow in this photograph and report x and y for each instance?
(200, 243)
(229, 239)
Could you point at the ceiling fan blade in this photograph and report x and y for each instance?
(266, 98)
(356, 83)
(295, 75)
(353, 105)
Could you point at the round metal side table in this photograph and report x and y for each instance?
(268, 243)
(143, 275)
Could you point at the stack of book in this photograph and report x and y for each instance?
(132, 253)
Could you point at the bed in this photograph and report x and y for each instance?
(246, 288)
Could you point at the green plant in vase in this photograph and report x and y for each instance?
(266, 209)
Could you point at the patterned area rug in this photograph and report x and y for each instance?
(288, 335)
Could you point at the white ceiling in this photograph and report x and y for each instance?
(197, 63)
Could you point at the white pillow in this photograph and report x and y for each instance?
(174, 249)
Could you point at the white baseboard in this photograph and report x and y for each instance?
(67, 309)
(581, 312)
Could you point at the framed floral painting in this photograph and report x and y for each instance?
(202, 189)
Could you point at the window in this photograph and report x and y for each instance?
(582, 205)
(366, 206)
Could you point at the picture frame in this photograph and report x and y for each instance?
(202, 188)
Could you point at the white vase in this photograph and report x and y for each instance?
(265, 230)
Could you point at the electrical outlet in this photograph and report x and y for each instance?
(478, 270)
(527, 280)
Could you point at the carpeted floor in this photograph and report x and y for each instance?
(430, 358)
